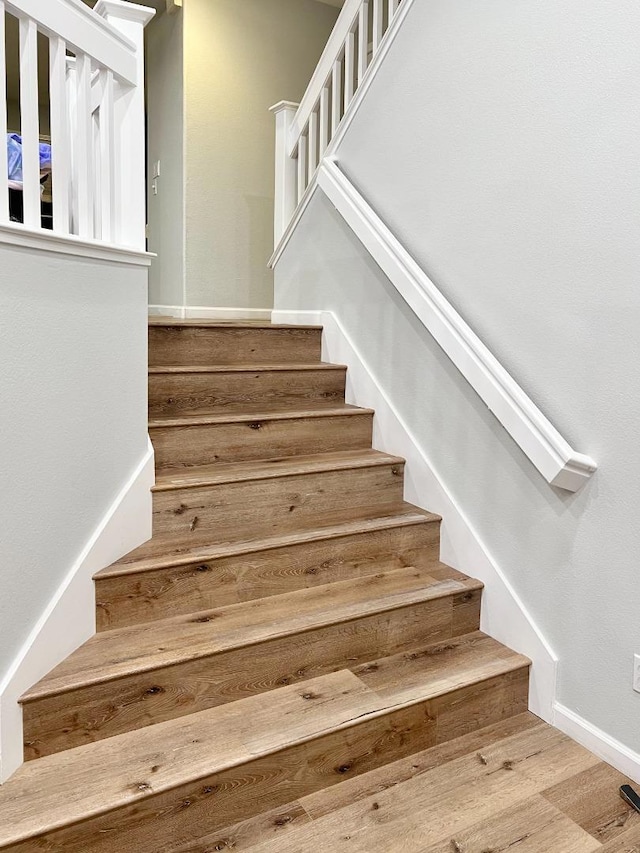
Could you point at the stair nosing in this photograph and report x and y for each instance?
(226, 324)
(519, 662)
(374, 459)
(251, 417)
(238, 549)
(293, 367)
(434, 592)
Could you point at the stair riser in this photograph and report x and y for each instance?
(212, 346)
(244, 510)
(103, 710)
(143, 597)
(185, 446)
(155, 823)
(202, 393)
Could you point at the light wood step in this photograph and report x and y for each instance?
(202, 439)
(243, 500)
(188, 777)
(202, 342)
(177, 391)
(124, 679)
(137, 590)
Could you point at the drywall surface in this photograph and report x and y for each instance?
(571, 558)
(165, 143)
(73, 377)
(499, 142)
(241, 57)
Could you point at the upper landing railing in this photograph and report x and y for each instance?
(96, 111)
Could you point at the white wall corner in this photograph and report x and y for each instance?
(600, 743)
(504, 615)
(69, 619)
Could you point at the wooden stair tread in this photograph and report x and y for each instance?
(131, 564)
(270, 414)
(248, 368)
(234, 472)
(227, 324)
(78, 784)
(143, 648)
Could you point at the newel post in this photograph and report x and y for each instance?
(286, 195)
(130, 159)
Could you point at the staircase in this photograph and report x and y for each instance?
(289, 625)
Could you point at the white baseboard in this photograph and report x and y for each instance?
(504, 615)
(70, 618)
(600, 743)
(203, 312)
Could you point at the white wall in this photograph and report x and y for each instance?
(241, 56)
(73, 365)
(499, 142)
(165, 142)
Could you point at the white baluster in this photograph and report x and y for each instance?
(107, 157)
(30, 122)
(285, 191)
(363, 40)
(313, 143)
(336, 95)
(60, 134)
(324, 121)
(302, 166)
(84, 172)
(378, 24)
(4, 173)
(349, 68)
(393, 8)
(130, 165)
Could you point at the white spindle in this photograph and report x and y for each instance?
(83, 154)
(378, 23)
(349, 68)
(393, 8)
(30, 122)
(324, 121)
(313, 143)
(302, 166)
(285, 191)
(60, 134)
(363, 40)
(336, 95)
(107, 157)
(4, 175)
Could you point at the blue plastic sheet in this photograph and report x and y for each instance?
(14, 155)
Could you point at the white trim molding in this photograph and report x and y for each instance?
(69, 619)
(549, 452)
(46, 241)
(203, 312)
(504, 615)
(600, 743)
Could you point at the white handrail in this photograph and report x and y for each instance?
(96, 77)
(551, 454)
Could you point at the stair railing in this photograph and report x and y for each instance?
(305, 132)
(96, 85)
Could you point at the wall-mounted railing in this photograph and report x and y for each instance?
(97, 124)
(304, 132)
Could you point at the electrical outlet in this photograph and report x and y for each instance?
(636, 673)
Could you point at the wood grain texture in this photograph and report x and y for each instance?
(189, 343)
(203, 440)
(124, 680)
(146, 590)
(191, 391)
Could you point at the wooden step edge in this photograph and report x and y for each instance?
(162, 731)
(256, 417)
(293, 367)
(238, 549)
(291, 466)
(161, 322)
(388, 603)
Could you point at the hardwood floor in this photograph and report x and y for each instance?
(286, 664)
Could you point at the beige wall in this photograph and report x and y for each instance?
(241, 56)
